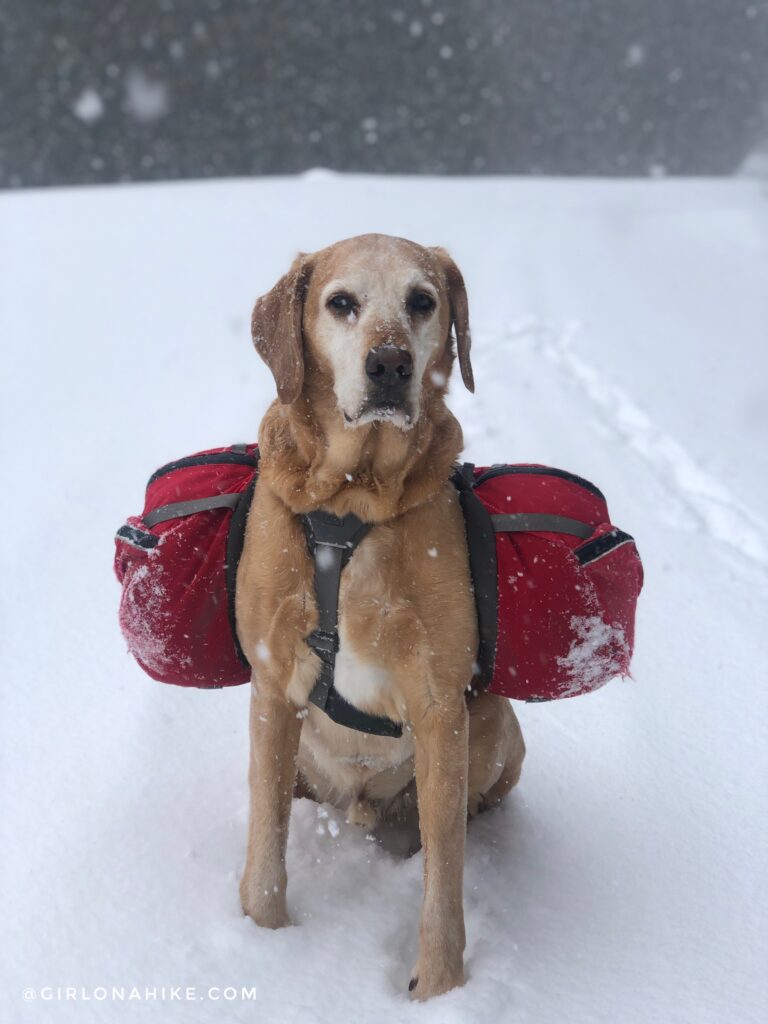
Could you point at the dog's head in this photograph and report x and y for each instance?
(372, 316)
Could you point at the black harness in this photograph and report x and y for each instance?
(332, 541)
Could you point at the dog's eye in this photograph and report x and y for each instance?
(341, 303)
(421, 302)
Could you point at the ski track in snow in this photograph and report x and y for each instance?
(707, 504)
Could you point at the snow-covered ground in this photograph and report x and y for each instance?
(620, 331)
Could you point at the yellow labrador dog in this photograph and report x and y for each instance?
(359, 339)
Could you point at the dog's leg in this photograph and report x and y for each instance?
(441, 745)
(496, 751)
(275, 732)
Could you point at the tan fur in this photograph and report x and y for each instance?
(406, 611)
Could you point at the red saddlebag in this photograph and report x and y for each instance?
(177, 567)
(556, 583)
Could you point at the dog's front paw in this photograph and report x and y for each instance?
(265, 906)
(363, 814)
(427, 982)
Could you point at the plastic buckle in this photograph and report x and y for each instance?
(324, 642)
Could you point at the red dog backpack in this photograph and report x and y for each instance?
(556, 584)
(177, 568)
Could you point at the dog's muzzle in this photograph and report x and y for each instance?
(388, 397)
(389, 370)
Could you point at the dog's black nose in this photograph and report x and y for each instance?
(388, 365)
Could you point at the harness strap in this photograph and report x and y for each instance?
(481, 546)
(331, 541)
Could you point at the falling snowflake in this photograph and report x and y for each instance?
(88, 106)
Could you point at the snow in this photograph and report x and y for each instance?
(88, 106)
(597, 652)
(324, 558)
(263, 652)
(145, 98)
(146, 598)
(635, 55)
(619, 331)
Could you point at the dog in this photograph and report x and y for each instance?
(360, 340)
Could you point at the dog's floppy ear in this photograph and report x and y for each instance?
(276, 329)
(457, 296)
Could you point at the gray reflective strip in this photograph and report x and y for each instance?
(188, 508)
(520, 522)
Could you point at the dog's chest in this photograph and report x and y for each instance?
(360, 680)
(367, 596)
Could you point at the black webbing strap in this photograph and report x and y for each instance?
(481, 545)
(235, 541)
(331, 541)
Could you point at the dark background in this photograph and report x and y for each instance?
(116, 91)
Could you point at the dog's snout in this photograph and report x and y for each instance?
(389, 366)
